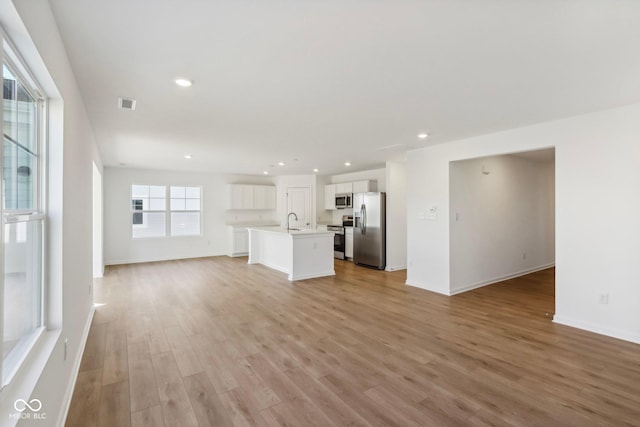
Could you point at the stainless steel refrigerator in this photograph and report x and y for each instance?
(369, 229)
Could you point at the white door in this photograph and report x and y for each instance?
(299, 202)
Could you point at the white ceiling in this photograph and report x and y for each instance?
(328, 81)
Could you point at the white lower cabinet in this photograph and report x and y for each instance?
(348, 242)
(237, 241)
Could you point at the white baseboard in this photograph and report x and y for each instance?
(395, 268)
(598, 329)
(273, 267)
(427, 288)
(500, 279)
(312, 275)
(66, 401)
(142, 260)
(240, 254)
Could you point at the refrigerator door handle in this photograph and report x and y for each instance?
(363, 229)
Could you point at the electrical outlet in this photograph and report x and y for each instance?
(66, 345)
(524, 255)
(604, 298)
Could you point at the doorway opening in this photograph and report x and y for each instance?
(502, 223)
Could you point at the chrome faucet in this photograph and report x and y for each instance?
(289, 216)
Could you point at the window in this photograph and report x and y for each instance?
(185, 211)
(150, 214)
(22, 284)
(148, 206)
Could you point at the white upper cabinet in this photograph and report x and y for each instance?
(344, 187)
(240, 196)
(331, 190)
(364, 186)
(330, 197)
(246, 196)
(264, 197)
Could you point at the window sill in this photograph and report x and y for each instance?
(26, 378)
(168, 237)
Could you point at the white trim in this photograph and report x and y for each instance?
(499, 279)
(66, 400)
(23, 348)
(167, 258)
(312, 275)
(273, 266)
(442, 291)
(2, 55)
(395, 268)
(622, 334)
(27, 377)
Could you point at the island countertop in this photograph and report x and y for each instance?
(293, 232)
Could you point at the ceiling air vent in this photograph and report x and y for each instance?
(127, 104)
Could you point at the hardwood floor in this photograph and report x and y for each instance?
(217, 342)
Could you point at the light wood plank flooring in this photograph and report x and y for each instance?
(217, 342)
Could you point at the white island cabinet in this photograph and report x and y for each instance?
(302, 254)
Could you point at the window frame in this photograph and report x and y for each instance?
(199, 211)
(132, 211)
(11, 58)
(167, 211)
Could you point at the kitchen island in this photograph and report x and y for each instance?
(302, 254)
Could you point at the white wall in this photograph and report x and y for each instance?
(597, 220)
(121, 248)
(396, 188)
(49, 377)
(323, 216)
(500, 222)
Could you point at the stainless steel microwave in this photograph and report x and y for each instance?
(343, 201)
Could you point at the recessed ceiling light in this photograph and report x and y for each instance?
(188, 156)
(184, 82)
(266, 172)
(280, 163)
(316, 170)
(347, 163)
(423, 135)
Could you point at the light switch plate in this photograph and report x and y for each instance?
(432, 212)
